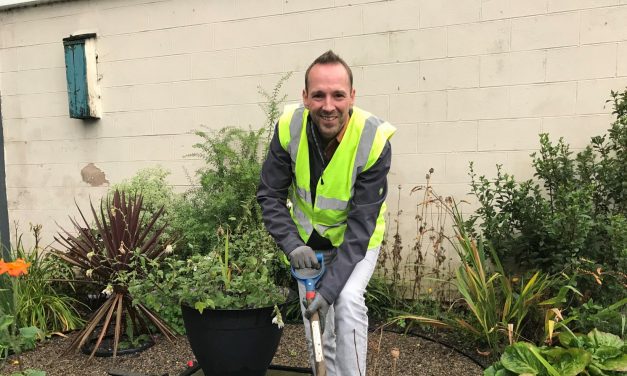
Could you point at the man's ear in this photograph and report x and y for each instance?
(305, 99)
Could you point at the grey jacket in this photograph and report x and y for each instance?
(370, 191)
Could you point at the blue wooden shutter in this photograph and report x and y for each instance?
(83, 99)
(76, 78)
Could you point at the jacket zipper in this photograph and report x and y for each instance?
(324, 162)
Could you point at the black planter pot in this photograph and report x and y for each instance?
(232, 342)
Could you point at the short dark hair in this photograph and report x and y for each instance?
(329, 57)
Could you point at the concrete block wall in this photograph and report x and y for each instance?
(463, 80)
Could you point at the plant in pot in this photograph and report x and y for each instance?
(230, 299)
(103, 251)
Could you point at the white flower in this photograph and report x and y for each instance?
(89, 272)
(278, 321)
(288, 203)
(108, 290)
(91, 254)
(169, 249)
(278, 318)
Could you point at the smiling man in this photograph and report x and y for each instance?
(335, 157)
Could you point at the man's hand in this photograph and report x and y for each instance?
(303, 257)
(322, 306)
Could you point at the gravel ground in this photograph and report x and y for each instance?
(416, 357)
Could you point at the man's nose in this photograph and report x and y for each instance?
(328, 104)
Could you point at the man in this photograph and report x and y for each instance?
(333, 159)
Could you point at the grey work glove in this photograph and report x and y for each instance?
(320, 304)
(303, 257)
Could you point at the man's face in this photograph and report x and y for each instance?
(329, 97)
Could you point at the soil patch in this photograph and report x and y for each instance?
(417, 356)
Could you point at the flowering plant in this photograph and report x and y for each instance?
(14, 269)
(12, 338)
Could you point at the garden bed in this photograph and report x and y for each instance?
(418, 356)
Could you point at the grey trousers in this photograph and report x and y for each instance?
(345, 338)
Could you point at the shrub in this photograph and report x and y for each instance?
(104, 253)
(501, 305)
(152, 184)
(226, 195)
(573, 217)
(590, 315)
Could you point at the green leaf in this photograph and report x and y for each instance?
(607, 352)
(5, 322)
(200, 306)
(30, 332)
(568, 362)
(598, 339)
(490, 371)
(497, 369)
(34, 372)
(534, 350)
(614, 364)
(596, 371)
(567, 339)
(518, 358)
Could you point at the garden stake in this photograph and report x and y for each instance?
(309, 276)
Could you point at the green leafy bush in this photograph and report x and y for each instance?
(225, 189)
(572, 217)
(16, 340)
(590, 315)
(157, 193)
(499, 308)
(238, 274)
(226, 194)
(596, 353)
(501, 305)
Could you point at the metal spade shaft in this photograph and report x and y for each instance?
(309, 277)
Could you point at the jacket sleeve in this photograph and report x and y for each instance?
(276, 178)
(369, 194)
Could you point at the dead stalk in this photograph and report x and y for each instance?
(395, 353)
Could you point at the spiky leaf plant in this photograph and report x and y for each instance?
(105, 253)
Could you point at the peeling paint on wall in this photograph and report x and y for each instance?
(93, 176)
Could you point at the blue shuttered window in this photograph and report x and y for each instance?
(76, 78)
(83, 96)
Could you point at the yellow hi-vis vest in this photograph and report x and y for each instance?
(361, 146)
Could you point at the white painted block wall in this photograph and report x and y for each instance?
(461, 79)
